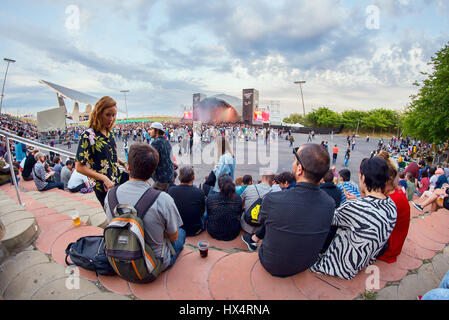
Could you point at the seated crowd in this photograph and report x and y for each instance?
(305, 220)
(310, 218)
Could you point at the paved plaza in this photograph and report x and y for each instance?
(253, 158)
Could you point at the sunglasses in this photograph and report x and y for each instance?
(295, 152)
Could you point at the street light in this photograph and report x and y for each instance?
(126, 105)
(302, 97)
(4, 81)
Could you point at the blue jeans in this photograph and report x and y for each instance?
(204, 220)
(52, 185)
(178, 245)
(441, 293)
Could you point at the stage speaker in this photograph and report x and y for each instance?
(197, 98)
(250, 98)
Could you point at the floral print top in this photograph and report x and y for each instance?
(99, 153)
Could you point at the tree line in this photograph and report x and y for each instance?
(378, 120)
(426, 117)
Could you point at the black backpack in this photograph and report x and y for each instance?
(252, 216)
(88, 253)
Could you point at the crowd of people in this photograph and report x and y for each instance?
(312, 217)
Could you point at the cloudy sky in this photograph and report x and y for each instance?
(353, 54)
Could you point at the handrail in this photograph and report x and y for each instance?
(32, 143)
(36, 144)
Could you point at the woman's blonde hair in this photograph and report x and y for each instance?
(95, 117)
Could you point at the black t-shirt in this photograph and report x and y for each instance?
(331, 189)
(29, 164)
(297, 222)
(190, 202)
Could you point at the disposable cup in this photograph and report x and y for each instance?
(204, 248)
(76, 218)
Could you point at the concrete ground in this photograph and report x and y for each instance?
(253, 158)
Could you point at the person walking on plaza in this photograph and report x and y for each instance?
(96, 156)
(334, 154)
(126, 148)
(347, 156)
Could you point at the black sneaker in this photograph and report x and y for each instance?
(252, 246)
(418, 206)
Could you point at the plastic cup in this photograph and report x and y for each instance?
(204, 248)
(76, 218)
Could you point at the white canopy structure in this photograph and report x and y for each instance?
(77, 97)
(51, 120)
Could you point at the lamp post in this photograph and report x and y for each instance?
(126, 105)
(302, 97)
(4, 81)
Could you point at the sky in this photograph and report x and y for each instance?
(352, 54)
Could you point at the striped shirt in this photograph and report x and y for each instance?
(350, 187)
(364, 226)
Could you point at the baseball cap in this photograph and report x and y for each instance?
(157, 125)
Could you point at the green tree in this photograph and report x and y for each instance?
(427, 116)
(294, 118)
(353, 118)
(323, 117)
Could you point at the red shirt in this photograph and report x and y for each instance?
(335, 150)
(400, 231)
(425, 183)
(413, 169)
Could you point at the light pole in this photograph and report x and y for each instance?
(4, 81)
(302, 97)
(126, 105)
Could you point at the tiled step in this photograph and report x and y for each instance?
(11, 268)
(19, 228)
(229, 272)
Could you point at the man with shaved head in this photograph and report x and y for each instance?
(296, 221)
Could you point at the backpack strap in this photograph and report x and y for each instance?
(146, 201)
(112, 199)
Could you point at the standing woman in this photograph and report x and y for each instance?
(96, 156)
(225, 163)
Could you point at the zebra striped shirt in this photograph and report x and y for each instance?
(364, 226)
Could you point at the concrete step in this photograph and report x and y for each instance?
(19, 229)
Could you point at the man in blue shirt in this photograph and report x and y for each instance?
(163, 174)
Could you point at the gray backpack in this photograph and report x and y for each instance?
(126, 241)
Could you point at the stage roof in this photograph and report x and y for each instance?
(71, 94)
(233, 101)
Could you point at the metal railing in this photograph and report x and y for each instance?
(10, 136)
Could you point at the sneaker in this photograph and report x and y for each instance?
(418, 206)
(252, 246)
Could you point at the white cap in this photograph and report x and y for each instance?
(157, 125)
